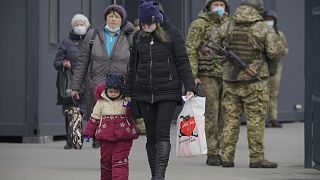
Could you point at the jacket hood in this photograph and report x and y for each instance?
(127, 27)
(246, 14)
(166, 21)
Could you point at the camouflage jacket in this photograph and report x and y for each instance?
(200, 31)
(263, 40)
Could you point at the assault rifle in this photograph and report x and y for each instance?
(235, 60)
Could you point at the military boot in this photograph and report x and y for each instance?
(151, 152)
(141, 126)
(263, 164)
(162, 158)
(274, 123)
(213, 160)
(228, 164)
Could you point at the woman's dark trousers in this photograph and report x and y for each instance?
(158, 117)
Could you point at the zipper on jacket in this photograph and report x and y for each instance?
(151, 43)
(170, 76)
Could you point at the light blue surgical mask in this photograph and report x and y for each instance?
(113, 30)
(80, 30)
(219, 11)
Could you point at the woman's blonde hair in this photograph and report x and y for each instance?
(161, 34)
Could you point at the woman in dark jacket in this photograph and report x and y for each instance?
(158, 66)
(67, 58)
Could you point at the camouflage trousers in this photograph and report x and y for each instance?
(253, 100)
(274, 82)
(212, 88)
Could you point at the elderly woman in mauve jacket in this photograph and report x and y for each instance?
(158, 66)
(109, 54)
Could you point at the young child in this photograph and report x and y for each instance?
(113, 127)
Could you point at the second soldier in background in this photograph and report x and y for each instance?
(207, 69)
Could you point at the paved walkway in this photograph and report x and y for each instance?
(51, 162)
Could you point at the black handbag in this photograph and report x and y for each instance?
(64, 80)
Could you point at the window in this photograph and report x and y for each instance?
(54, 22)
(86, 6)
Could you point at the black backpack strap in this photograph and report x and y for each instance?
(91, 42)
(127, 34)
(93, 36)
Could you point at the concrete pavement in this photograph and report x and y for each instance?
(51, 162)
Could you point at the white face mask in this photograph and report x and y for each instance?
(117, 29)
(269, 23)
(150, 29)
(80, 30)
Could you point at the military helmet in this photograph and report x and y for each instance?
(272, 14)
(226, 3)
(257, 4)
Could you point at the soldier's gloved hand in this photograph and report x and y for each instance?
(87, 138)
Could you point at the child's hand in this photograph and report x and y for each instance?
(87, 138)
(126, 102)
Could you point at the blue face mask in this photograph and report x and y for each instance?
(219, 11)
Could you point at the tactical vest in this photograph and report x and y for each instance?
(241, 41)
(207, 65)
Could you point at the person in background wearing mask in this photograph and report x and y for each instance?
(207, 69)
(158, 66)
(270, 18)
(110, 53)
(67, 58)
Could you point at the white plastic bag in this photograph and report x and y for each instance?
(191, 138)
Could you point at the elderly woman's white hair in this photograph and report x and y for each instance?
(80, 17)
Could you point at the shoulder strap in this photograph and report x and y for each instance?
(129, 39)
(93, 36)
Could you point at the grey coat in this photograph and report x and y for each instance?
(92, 67)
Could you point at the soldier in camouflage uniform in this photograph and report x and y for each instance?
(270, 18)
(207, 69)
(250, 38)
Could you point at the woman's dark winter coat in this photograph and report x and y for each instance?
(69, 49)
(161, 67)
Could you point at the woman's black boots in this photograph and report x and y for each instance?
(162, 158)
(151, 152)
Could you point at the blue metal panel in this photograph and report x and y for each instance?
(312, 85)
(13, 68)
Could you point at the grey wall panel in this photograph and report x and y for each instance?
(292, 82)
(67, 10)
(48, 112)
(13, 66)
(97, 11)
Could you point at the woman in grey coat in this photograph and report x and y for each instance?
(109, 54)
